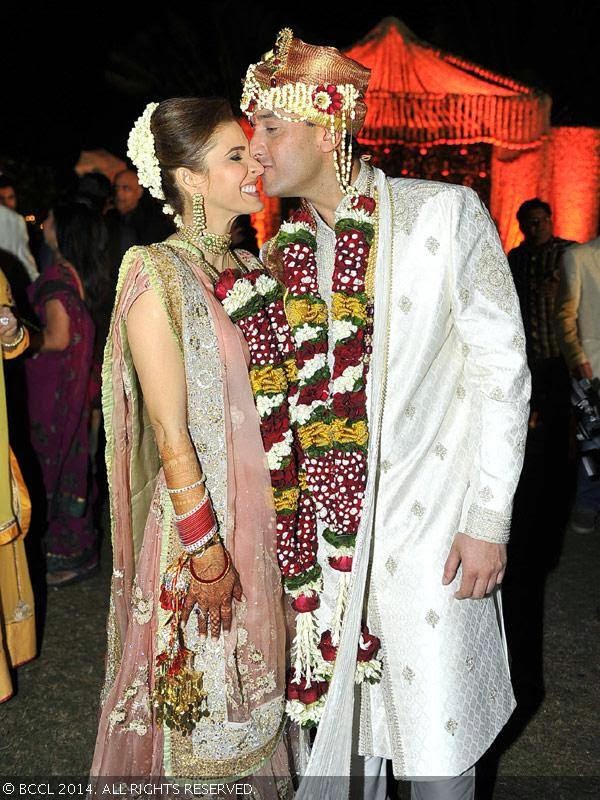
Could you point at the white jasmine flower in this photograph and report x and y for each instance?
(265, 284)
(342, 329)
(280, 451)
(306, 333)
(140, 149)
(302, 413)
(265, 404)
(347, 380)
(294, 227)
(314, 365)
(237, 297)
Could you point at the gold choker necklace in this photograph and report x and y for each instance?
(216, 243)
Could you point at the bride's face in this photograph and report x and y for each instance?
(232, 173)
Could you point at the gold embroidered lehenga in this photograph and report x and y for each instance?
(243, 671)
(17, 621)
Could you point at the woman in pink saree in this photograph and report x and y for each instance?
(196, 634)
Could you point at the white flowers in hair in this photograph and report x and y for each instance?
(140, 149)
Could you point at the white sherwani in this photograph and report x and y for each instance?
(448, 413)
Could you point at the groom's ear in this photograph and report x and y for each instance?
(328, 142)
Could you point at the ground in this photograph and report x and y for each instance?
(551, 749)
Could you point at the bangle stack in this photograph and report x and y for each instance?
(197, 527)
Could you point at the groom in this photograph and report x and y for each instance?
(447, 391)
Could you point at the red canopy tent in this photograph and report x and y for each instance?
(421, 95)
(418, 95)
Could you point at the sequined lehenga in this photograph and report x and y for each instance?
(244, 670)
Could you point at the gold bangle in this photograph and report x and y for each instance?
(18, 340)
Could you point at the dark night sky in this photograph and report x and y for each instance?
(78, 79)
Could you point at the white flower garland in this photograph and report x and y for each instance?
(141, 151)
(266, 403)
(318, 362)
(347, 380)
(241, 293)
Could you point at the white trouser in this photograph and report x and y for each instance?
(375, 784)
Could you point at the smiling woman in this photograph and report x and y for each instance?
(192, 511)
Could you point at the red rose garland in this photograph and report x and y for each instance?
(328, 414)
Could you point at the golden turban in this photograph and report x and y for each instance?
(300, 81)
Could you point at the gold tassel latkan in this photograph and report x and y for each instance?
(180, 700)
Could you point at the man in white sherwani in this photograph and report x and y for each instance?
(448, 396)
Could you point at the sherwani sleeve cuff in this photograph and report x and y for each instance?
(487, 525)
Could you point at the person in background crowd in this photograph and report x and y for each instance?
(578, 331)
(14, 240)
(137, 209)
(8, 195)
(17, 621)
(63, 386)
(95, 189)
(535, 268)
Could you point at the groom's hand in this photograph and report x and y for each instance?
(483, 566)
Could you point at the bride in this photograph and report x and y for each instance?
(195, 668)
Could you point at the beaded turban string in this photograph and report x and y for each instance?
(304, 82)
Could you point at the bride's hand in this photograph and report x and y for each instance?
(214, 599)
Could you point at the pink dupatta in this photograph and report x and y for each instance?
(250, 670)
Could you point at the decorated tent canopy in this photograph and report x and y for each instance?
(421, 95)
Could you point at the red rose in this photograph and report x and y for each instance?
(348, 354)
(308, 350)
(312, 694)
(328, 651)
(254, 275)
(292, 689)
(305, 603)
(314, 391)
(305, 694)
(370, 648)
(364, 203)
(300, 215)
(350, 404)
(225, 283)
(282, 478)
(341, 563)
(276, 424)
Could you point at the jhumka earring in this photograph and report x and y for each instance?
(215, 243)
(198, 215)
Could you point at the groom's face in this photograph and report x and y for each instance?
(290, 153)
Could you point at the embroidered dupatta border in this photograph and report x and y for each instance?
(154, 257)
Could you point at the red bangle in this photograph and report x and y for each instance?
(212, 580)
(193, 528)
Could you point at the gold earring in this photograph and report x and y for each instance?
(198, 215)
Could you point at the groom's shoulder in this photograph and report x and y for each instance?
(418, 189)
(414, 197)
